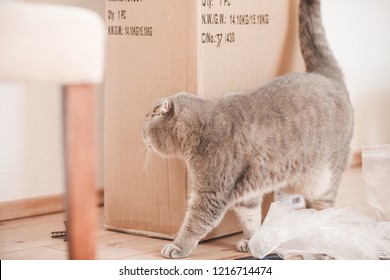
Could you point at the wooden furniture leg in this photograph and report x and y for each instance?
(80, 154)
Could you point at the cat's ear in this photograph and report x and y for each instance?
(163, 108)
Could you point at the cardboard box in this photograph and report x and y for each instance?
(157, 48)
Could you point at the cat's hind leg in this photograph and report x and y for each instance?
(249, 214)
(324, 194)
(319, 204)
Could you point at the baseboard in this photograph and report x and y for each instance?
(356, 159)
(23, 208)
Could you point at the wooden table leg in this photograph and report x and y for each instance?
(80, 153)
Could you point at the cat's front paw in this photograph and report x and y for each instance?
(243, 246)
(172, 251)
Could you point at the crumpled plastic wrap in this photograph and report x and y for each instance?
(376, 174)
(331, 233)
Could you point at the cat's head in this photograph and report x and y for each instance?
(173, 127)
(158, 128)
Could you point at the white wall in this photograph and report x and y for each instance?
(358, 32)
(31, 158)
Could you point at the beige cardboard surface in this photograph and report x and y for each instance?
(157, 48)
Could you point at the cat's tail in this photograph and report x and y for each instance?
(315, 49)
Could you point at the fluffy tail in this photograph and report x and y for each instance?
(314, 46)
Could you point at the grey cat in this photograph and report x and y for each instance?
(293, 134)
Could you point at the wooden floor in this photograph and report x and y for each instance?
(30, 238)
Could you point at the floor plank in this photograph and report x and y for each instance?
(30, 232)
(37, 253)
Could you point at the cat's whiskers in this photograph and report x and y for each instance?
(141, 152)
(147, 163)
(145, 151)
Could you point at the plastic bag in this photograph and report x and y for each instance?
(335, 233)
(376, 174)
